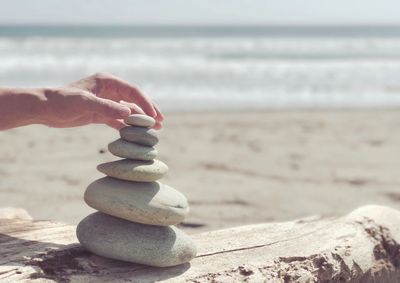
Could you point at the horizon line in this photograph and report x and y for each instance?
(199, 25)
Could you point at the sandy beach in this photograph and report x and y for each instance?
(235, 168)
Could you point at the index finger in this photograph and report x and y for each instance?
(160, 116)
(125, 91)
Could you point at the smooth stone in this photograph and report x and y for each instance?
(131, 150)
(120, 239)
(140, 120)
(147, 203)
(134, 170)
(139, 135)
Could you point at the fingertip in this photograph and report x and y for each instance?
(160, 117)
(124, 111)
(110, 109)
(137, 109)
(152, 112)
(157, 126)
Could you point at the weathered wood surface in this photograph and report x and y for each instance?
(360, 247)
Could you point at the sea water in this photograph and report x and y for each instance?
(210, 68)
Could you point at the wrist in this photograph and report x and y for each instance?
(22, 106)
(37, 109)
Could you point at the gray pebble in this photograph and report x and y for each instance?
(150, 203)
(140, 120)
(134, 170)
(132, 150)
(120, 239)
(139, 135)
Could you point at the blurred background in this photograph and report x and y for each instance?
(275, 109)
(211, 54)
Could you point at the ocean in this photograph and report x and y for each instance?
(215, 67)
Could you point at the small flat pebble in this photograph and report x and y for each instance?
(150, 203)
(131, 150)
(120, 239)
(134, 170)
(144, 136)
(140, 120)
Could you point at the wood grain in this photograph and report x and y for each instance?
(359, 247)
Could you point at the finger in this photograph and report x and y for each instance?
(134, 108)
(109, 108)
(116, 124)
(160, 117)
(157, 126)
(134, 95)
(126, 91)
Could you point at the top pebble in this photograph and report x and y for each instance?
(140, 120)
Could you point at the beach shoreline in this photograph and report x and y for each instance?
(236, 168)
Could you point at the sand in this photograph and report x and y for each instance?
(235, 168)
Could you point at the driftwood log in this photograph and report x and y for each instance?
(360, 247)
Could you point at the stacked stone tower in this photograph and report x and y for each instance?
(135, 211)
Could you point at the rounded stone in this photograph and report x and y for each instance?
(131, 150)
(140, 120)
(120, 239)
(147, 203)
(134, 170)
(145, 136)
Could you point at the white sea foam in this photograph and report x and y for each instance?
(210, 73)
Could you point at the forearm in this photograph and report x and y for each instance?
(20, 107)
(98, 99)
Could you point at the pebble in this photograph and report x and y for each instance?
(131, 150)
(144, 136)
(134, 170)
(120, 239)
(140, 120)
(147, 203)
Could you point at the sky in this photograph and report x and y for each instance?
(199, 12)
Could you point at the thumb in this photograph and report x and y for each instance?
(133, 107)
(109, 108)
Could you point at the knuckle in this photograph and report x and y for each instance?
(110, 111)
(103, 76)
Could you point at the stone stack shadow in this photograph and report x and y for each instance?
(135, 211)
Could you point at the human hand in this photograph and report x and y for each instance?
(100, 98)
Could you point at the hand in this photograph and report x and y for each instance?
(100, 98)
